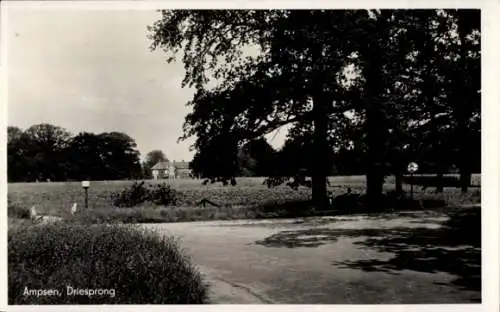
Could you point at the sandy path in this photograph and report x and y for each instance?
(289, 261)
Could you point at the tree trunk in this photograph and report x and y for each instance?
(399, 181)
(374, 184)
(376, 135)
(465, 178)
(320, 152)
(322, 101)
(439, 186)
(375, 125)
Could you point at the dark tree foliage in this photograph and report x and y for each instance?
(19, 164)
(302, 52)
(46, 152)
(37, 153)
(464, 87)
(256, 158)
(217, 160)
(446, 78)
(413, 69)
(122, 156)
(86, 156)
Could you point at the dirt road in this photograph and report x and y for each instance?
(399, 259)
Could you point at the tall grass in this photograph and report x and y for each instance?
(16, 210)
(131, 266)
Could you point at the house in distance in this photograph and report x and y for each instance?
(168, 169)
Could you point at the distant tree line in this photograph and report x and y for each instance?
(47, 152)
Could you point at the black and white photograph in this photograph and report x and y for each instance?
(244, 156)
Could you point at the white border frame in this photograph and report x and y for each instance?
(490, 143)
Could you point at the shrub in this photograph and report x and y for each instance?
(141, 267)
(163, 194)
(129, 197)
(347, 202)
(160, 194)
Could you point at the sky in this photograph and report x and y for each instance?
(93, 71)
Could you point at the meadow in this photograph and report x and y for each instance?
(249, 199)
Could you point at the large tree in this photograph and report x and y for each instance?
(13, 134)
(105, 156)
(46, 151)
(293, 78)
(87, 157)
(155, 156)
(121, 155)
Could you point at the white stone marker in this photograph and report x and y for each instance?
(73, 209)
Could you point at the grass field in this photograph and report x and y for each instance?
(243, 201)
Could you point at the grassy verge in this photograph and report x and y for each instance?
(271, 209)
(161, 214)
(115, 264)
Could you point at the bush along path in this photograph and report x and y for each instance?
(68, 263)
(138, 193)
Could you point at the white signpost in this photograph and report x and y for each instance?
(412, 168)
(73, 209)
(86, 185)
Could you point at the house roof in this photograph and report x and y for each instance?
(161, 165)
(164, 165)
(181, 165)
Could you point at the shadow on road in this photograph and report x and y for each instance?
(312, 237)
(454, 247)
